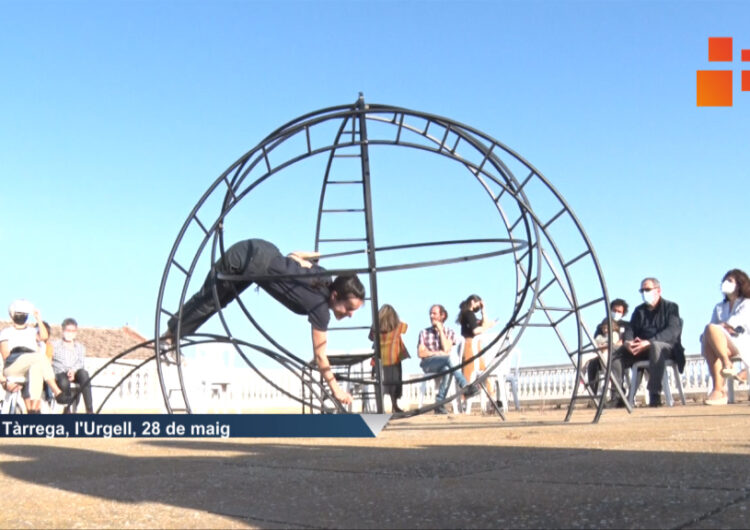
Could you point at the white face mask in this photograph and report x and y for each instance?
(616, 316)
(649, 296)
(69, 336)
(728, 287)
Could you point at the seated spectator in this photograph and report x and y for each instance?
(68, 363)
(434, 348)
(618, 308)
(45, 347)
(392, 352)
(653, 335)
(473, 325)
(19, 348)
(728, 334)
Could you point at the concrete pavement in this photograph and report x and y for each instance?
(681, 467)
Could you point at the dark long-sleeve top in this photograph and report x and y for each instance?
(661, 324)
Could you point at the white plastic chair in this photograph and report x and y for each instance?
(501, 376)
(13, 402)
(643, 365)
(730, 380)
(511, 377)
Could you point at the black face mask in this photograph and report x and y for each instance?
(20, 318)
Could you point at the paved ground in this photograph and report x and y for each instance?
(685, 467)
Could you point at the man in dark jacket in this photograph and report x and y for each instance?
(654, 334)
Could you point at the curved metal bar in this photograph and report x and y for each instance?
(387, 268)
(528, 254)
(520, 242)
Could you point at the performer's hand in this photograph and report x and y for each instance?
(304, 257)
(344, 397)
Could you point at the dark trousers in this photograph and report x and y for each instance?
(657, 355)
(592, 371)
(392, 383)
(82, 378)
(245, 258)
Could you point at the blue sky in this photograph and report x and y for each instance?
(117, 116)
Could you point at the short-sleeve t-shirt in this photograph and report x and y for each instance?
(303, 295)
(25, 337)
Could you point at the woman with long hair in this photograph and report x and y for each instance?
(392, 352)
(471, 318)
(728, 333)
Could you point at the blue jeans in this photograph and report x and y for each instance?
(442, 363)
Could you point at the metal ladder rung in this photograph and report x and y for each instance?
(345, 182)
(342, 240)
(344, 210)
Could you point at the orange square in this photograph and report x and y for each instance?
(714, 88)
(745, 55)
(746, 80)
(720, 49)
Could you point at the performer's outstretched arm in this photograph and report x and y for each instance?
(320, 339)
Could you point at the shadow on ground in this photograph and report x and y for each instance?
(440, 486)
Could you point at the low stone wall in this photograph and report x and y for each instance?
(537, 385)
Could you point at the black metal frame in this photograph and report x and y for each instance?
(534, 251)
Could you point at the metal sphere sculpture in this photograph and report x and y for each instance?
(557, 279)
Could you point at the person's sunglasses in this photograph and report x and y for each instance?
(642, 290)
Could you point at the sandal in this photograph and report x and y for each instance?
(730, 372)
(717, 401)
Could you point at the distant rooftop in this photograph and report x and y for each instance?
(104, 342)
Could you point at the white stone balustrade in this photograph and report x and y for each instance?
(249, 393)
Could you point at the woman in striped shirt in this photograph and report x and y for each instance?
(392, 352)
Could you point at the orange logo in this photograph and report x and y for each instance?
(715, 86)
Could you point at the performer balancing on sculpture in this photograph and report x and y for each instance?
(294, 280)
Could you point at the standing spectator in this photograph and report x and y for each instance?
(473, 326)
(653, 335)
(68, 363)
(434, 348)
(392, 352)
(728, 333)
(19, 346)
